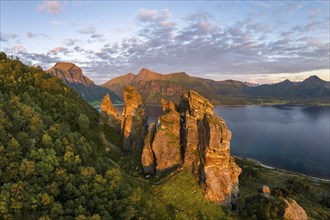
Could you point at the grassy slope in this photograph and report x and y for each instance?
(179, 194)
(182, 194)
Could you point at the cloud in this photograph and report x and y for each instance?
(51, 6)
(87, 30)
(56, 23)
(201, 44)
(71, 42)
(18, 47)
(294, 7)
(123, 30)
(314, 11)
(7, 37)
(3, 38)
(146, 15)
(57, 50)
(33, 35)
(97, 36)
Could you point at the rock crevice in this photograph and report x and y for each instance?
(134, 122)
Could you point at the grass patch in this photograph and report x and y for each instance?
(95, 103)
(183, 198)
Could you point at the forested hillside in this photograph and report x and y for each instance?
(51, 163)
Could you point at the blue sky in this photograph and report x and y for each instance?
(256, 41)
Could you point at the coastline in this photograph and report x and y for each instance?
(283, 170)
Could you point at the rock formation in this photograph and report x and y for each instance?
(69, 72)
(265, 191)
(148, 160)
(192, 135)
(166, 143)
(134, 122)
(294, 211)
(73, 77)
(109, 114)
(215, 170)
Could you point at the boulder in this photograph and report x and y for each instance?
(265, 191)
(134, 122)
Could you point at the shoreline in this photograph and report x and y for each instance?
(313, 178)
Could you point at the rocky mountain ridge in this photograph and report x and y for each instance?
(73, 76)
(70, 73)
(154, 86)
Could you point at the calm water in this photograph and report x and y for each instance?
(290, 138)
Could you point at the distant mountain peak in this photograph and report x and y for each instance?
(70, 73)
(146, 74)
(180, 74)
(144, 71)
(313, 78)
(65, 65)
(285, 82)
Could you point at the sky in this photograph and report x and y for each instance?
(254, 41)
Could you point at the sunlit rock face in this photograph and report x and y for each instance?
(134, 122)
(148, 159)
(166, 144)
(69, 72)
(191, 135)
(109, 113)
(208, 155)
(294, 211)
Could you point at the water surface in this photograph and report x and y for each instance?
(291, 138)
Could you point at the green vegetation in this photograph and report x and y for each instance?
(51, 157)
(93, 93)
(267, 101)
(181, 195)
(95, 103)
(57, 162)
(311, 194)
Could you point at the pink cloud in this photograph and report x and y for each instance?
(17, 48)
(52, 6)
(58, 50)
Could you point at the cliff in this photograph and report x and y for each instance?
(153, 86)
(134, 122)
(191, 135)
(73, 76)
(69, 72)
(109, 114)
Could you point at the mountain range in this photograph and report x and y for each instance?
(73, 76)
(153, 86)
